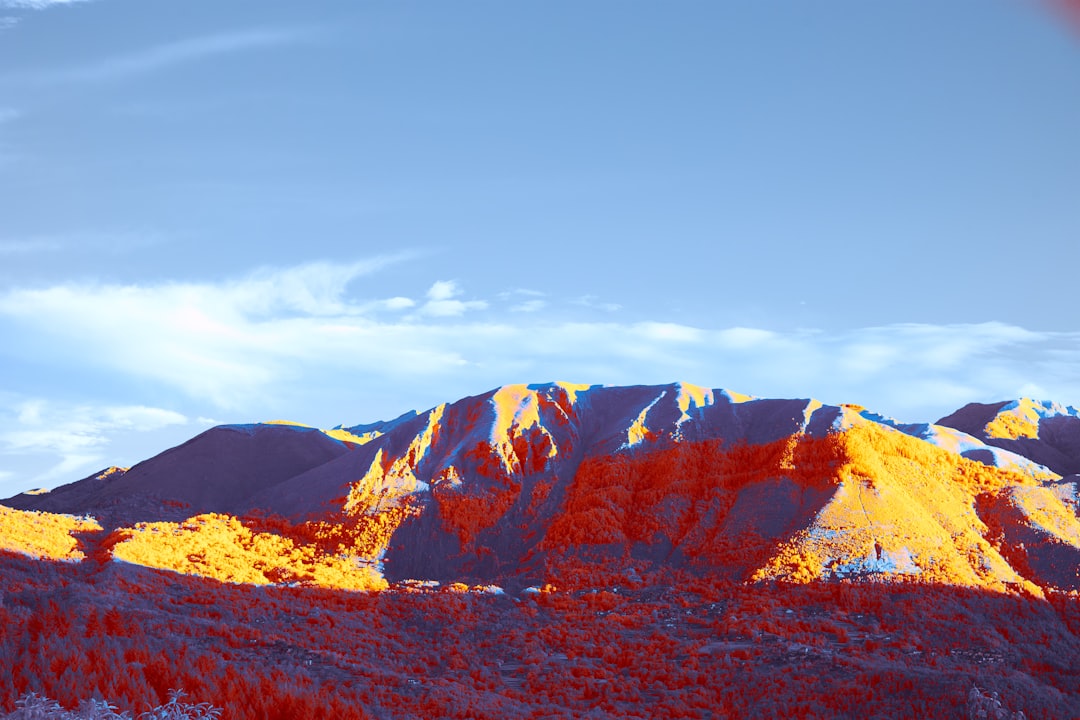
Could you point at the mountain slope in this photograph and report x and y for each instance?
(216, 471)
(1046, 432)
(557, 481)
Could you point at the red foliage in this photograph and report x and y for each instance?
(683, 495)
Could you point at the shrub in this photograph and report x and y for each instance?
(36, 707)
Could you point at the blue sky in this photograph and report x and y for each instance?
(335, 212)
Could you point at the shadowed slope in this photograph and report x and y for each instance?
(215, 471)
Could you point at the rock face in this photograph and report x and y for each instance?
(530, 481)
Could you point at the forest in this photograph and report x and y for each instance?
(661, 644)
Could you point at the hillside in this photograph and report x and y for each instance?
(564, 551)
(528, 483)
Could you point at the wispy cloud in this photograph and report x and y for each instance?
(301, 331)
(74, 437)
(97, 242)
(162, 57)
(42, 425)
(9, 21)
(28, 247)
(36, 4)
(591, 301)
(442, 301)
(523, 300)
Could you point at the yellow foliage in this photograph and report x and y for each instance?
(43, 535)
(336, 433)
(902, 500)
(1020, 422)
(346, 436)
(221, 547)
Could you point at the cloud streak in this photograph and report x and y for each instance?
(36, 4)
(163, 57)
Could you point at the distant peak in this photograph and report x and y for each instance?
(1020, 418)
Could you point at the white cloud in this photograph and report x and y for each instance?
(398, 303)
(591, 301)
(443, 290)
(164, 56)
(297, 343)
(41, 425)
(299, 332)
(441, 304)
(36, 4)
(82, 241)
(739, 338)
(523, 300)
(529, 306)
(73, 438)
(669, 332)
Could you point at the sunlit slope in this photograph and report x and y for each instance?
(527, 476)
(1045, 432)
(43, 535)
(223, 548)
(862, 502)
(903, 508)
(965, 444)
(530, 482)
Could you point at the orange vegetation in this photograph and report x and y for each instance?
(866, 501)
(468, 514)
(43, 535)
(221, 547)
(677, 645)
(364, 536)
(1021, 421)
(336, 433)
(903, 508)
(684, 493)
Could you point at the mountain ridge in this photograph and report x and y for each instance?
(518, 484)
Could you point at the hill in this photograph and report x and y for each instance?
(565, 551)
(528, 483)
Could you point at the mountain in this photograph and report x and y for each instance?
(528, 483)
(565, 551)
(215, 471)
(1045, 432)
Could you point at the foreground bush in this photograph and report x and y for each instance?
(35, 707)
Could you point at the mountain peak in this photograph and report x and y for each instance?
(524, 480)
